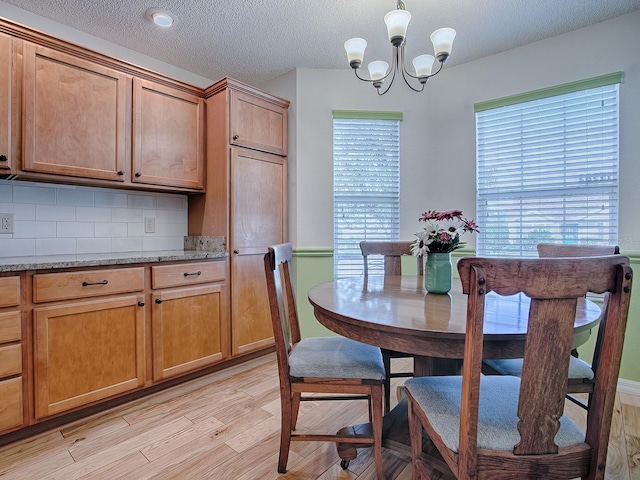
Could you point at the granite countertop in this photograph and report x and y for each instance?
(39, 262)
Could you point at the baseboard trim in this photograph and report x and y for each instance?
(629, 386)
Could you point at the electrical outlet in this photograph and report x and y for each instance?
(149, 225)
(6, 222)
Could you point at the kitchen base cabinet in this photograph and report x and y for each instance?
(11, 355)
(189, 319)
(187, 330)
(11, 404)
(87, 351)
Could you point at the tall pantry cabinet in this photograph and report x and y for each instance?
(246, 198)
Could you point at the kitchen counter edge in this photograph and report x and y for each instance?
(45, 262)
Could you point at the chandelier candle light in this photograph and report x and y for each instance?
(440, 237)
(397, 22)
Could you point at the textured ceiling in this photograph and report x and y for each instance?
(257, 40)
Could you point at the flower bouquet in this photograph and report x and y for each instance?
(440, 236)
(442, 231)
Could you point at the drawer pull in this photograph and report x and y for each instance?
(198, 273)
(103, 282)
(3, 158)
(121, 172)
(138, 174)
(141, 304)
(158, 301)
(236, 137)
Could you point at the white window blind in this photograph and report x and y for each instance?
(366, 185)
(547, 171)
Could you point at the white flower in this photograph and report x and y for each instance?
(419, 247)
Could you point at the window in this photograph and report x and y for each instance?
(366, 185)
(547, 168)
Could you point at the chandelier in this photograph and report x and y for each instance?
(397, 22)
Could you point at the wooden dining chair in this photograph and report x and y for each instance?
(581, 374)
(506, 427)
(344, 368)
(391, 253)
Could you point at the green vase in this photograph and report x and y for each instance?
(438, 272)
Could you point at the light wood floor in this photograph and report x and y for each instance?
(225, 426)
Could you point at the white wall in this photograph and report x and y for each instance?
(438, 130)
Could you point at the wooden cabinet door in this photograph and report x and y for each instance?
(87, 351)
(258, 219)
(257, 124)
(11, 415)
(6, 78)
(75, 116)
(187, 330)
(168, 136)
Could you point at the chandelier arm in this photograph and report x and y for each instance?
(437, 71)
(394, 69)
(405, 73)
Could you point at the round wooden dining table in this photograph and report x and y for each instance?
(396, 313)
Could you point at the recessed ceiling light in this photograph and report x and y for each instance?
(160, 17)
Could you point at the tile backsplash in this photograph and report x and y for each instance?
(60, 219)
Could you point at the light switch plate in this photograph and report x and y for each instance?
(149, 225)
(6, 222)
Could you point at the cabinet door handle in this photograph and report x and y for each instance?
(141, 304)
(121, 172)
(158, 301)
(86, 284)
(198, 273)
(138, 174)
(236, 252)
(3, 158)
(236, 137)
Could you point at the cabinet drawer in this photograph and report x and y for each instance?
(48, 287)
(10, 360)
(10, 329)
(164, 276)
(10, 403)
(9, 291)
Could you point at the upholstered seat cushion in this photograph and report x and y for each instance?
(439, 398)
(513, 366)
(335, 357)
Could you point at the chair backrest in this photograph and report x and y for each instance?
(555, 286)
(556, 250)
(392, 253)
(282, 304)
(546, 250)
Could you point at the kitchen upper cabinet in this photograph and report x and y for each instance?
(258, 124)
(75, 119)
(6, 88)
(168, 136)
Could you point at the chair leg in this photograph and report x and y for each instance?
(377, 414)
(386, 360)
(286, 427)
(415, 435)
(295, 409)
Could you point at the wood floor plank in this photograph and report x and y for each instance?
(89, 469)
(199, 438)
(104, 449)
